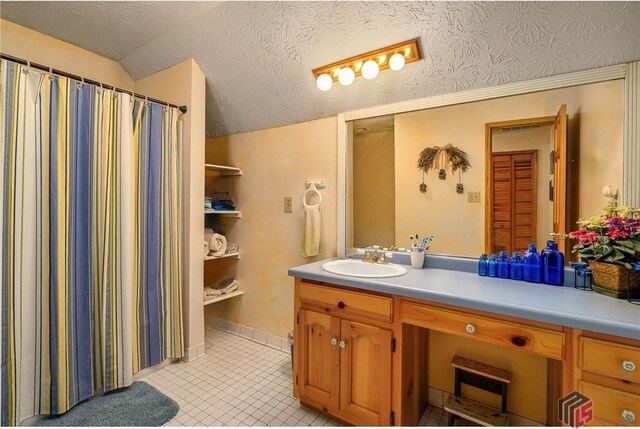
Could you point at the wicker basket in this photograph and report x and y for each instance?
(615, 280)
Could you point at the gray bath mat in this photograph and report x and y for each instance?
(138, 405)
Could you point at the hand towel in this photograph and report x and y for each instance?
(311, 239)
(218, 244)
(206, 249)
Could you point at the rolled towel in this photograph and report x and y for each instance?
(208, 233)
(206, 249)
(232, 248)
(218, 244)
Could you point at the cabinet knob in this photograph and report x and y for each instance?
(629, 416)
(341, 305)
(342, 344)
(334, 341)
(628, 365)
(470, 328)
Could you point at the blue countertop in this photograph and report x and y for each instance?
(558, 305)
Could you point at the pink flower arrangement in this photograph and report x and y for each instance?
(612, 237)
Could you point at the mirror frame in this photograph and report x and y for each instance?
(630, 72)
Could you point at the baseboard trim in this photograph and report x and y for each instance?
(438, 397)
(193, 353)
(145, 372)
(249, 333)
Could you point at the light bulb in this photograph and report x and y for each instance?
(346, 76)
(396, 62)
(370, 69)
(324, 82)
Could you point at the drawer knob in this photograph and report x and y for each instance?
(342, 344)
(341, 305)
(628, 365)
(334, 341)
(470, 328)
(629, 416)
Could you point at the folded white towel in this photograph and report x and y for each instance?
(206, 249)
(218, 244)
(311, 239)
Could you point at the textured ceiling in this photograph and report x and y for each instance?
(258, 56)
(113, 29)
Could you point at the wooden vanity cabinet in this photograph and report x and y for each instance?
(346, 363)
(343, 361)
(608, 372)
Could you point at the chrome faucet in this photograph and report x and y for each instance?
(377, 257)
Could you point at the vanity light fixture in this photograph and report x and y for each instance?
(346, 76)
(396, 62)
(367, 65)
(370, 69)
(324, 82)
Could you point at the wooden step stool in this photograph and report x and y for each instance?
(485, 377)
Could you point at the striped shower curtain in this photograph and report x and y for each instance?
(90, 252)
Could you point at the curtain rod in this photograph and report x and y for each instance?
(183, 109)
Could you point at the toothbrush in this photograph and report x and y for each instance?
(423, 244)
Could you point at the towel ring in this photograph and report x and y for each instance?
(312, 188)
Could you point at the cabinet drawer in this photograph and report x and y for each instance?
(508, 334)
(610, 406)
(341, 301)
(616, 360)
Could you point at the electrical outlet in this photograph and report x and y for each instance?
(288, 204)
(473, 197)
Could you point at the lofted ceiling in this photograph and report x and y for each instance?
(258, 56)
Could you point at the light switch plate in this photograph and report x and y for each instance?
(288, 204)
(473, 197)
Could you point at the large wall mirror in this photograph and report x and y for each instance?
(538, 162)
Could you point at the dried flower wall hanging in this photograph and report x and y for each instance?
(440, 159)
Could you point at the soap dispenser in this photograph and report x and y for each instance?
(503, 265)
(516, 267)
(532, 265)
(553, 265)
(492, 266)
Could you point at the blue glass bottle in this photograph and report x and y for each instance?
(503, 265)
(492, 266)
(553, 263)
(516, 267)
(482, 265)
(532, 265)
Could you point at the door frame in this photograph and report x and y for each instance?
(488, 176)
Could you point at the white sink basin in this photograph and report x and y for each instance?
(357, 268)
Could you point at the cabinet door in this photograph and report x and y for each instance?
(365, 374)
(319, 361)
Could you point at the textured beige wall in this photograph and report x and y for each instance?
(184, 84)
(373, 189)
(30, 45)
(275, 163)
(540, 139)
(595, 125)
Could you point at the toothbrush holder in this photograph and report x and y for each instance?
(417, 259)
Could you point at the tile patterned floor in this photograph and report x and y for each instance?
(242, 383)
